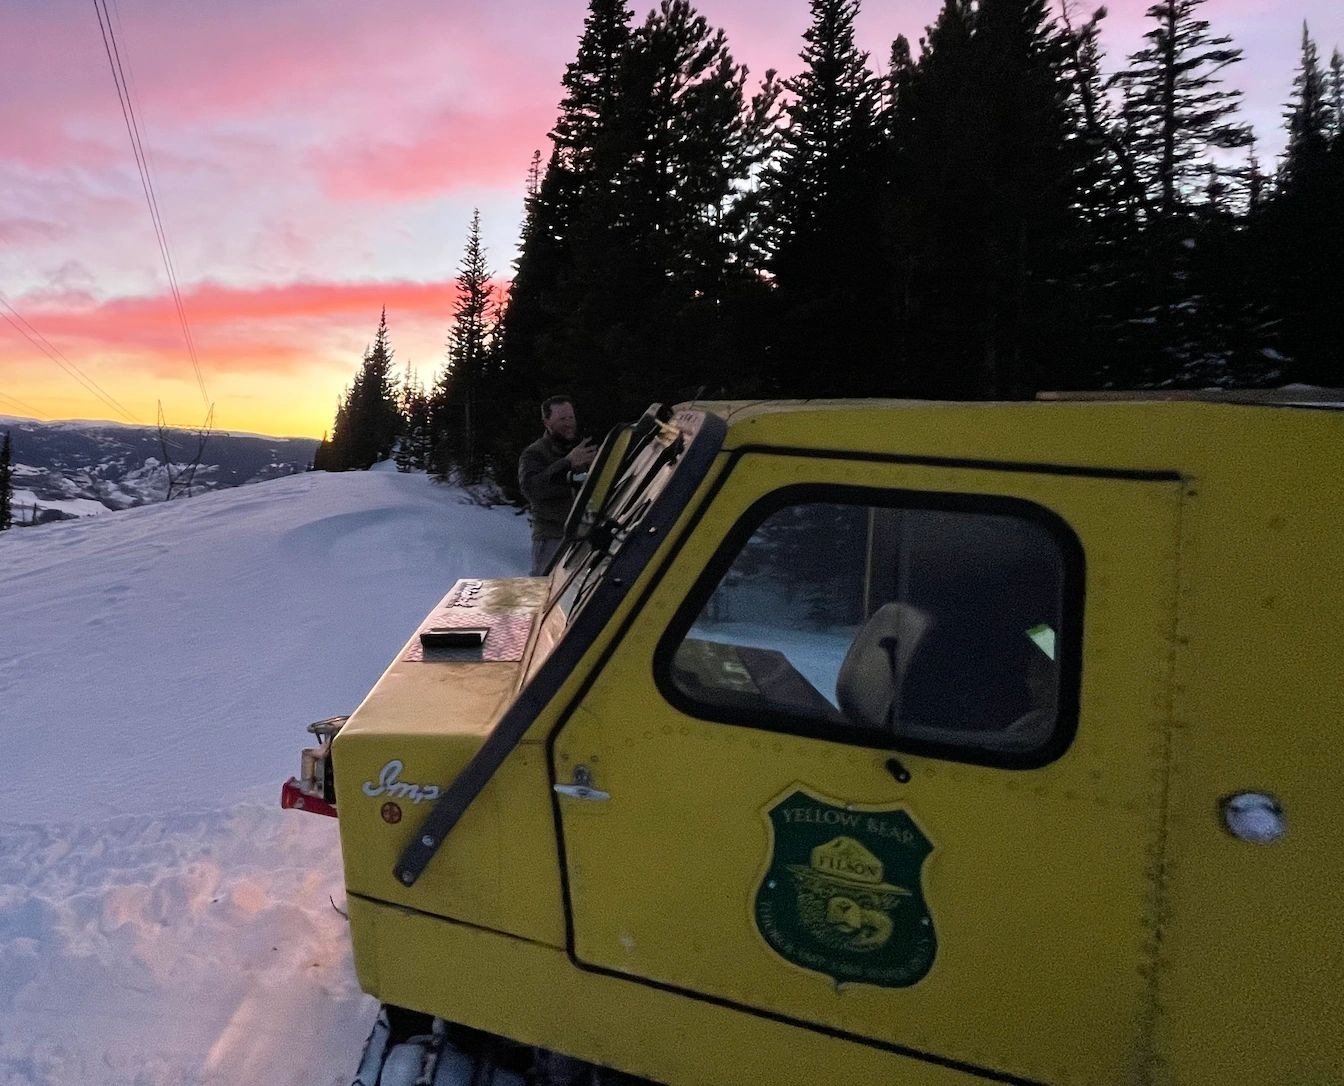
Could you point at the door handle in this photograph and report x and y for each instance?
(581, 787)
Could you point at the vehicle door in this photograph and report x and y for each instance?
(881, 752)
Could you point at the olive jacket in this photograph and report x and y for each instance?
(544, 479)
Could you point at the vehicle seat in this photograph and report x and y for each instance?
(1035, 725)
(930, 677)
(868, 685)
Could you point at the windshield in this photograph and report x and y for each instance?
(661, 462)
(630, 476)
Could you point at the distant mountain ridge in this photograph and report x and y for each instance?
(75, 468)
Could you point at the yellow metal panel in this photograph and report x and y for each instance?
(533, 994)
(415, 731)
(1039, 881)
(1142, 436)
(1095, 922)
(498, 867)
(1253, 947)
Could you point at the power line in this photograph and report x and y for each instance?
(146, 182)
(19, 404)
(38, 340)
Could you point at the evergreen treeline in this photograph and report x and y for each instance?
(368, 420)
(988, 213)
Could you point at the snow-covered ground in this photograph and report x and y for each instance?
(26, 505)
(162, 921)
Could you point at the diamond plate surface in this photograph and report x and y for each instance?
(505, 642)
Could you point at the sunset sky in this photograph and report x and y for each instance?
(316, 161)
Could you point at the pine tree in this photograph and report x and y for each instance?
(6, 484)
(1196, 314)
(661, 254)
(580, 171)
(1033, 174)
(1301, 232)
(368, 420)
(534, 307)
(637, 243)
(1176, 113)
(339, 454)
(991, 198)
(682, 110)
(592, 84)
(462, 421)
(1110, 200)
(587, 153)
(1309, 120)
(747, 221)
(379, 418)
(900, 72)
(346, 440)
(1255, 182)
(823, 193)
(937, 147)
(831, 130)
(322, 458)
(1107, 189)
(1335, 95)
(413, 446)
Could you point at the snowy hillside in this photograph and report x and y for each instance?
(78, 468)
(162, 922)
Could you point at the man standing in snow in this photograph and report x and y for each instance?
(546, 477)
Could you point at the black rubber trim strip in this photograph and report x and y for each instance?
(1140, 475)
(541, 689)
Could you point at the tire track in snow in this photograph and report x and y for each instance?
(231, 904)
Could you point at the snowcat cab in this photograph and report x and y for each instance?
(874, 742)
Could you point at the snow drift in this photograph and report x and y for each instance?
(161, 920)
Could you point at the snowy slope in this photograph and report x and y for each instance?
(79, 468)
(161, 920)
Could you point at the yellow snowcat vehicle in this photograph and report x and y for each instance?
(875, 742)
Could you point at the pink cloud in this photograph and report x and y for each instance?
(194, 66)
(274, 329)
(19, 230)
(454, 150)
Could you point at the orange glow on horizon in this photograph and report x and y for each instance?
(274, 360)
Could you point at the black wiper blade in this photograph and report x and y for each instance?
(666, 455)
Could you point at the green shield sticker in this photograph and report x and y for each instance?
(842, 894)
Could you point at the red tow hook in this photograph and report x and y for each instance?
(292, 794)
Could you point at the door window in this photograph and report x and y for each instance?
(943, 627)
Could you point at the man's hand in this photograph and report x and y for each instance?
(581, 455)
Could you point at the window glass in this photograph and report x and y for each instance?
(646, 469)
(645, 459)
(935, 627)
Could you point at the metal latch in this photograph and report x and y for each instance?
(581, 787)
